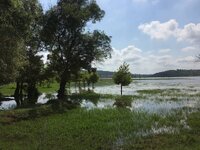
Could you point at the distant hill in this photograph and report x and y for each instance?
(169, 73)
(177, 73)
(105, 74)
(109, 74)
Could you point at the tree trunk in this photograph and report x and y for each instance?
(61, 91)
(32, 93)
(88, 84)
(19, 93)
(16, 94)
(84, 85)
(69, 92)
(75, 87)
(93, 86)
(121, 89)
(79, 84)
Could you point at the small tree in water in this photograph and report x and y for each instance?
(123, 76)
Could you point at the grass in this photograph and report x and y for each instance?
(123, 101)
(52, 88)
(97, 129)
(63, 125)
(159, 91)
(8, 90)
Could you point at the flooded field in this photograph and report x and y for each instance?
(187, 84)
(156, 95)
(149, 108)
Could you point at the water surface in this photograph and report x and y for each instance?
(183, 96)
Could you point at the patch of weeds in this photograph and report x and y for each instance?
(174, 99)
(123, 101)
(87, 95)
(194, 121)
(156, 91)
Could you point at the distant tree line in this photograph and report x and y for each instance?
(61, 31)
(169, 73)
(177, 73)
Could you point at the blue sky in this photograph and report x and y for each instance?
(150, 35)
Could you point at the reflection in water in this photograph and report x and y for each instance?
(150, 105)
(101, 104)
(7, 105)
(11, 104)
(44, 98)
(153, 104)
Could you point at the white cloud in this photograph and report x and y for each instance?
(189, 49)
(162, 51)
(188, 59)
(145, 62)
(154, 2)
(190, 33)
(160, 31)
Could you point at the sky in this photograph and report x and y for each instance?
(150, 35)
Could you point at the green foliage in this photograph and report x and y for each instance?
(94, 77)
(71, 47)
(95, 129)
(20, 25)
(123, 75)
(123, 101)
(13, 27)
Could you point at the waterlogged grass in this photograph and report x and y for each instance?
(159, 91)
(170, 94)
(51, 88)
(64, 125)
(101, 129)
(7, 90)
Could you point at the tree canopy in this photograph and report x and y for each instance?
(16, 22)
(71, 47)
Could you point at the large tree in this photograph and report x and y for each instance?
(30, 71)
(71, 47)
(13, 28)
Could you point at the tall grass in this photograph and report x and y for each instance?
(99, 129)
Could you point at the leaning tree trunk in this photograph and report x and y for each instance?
(17, 94)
